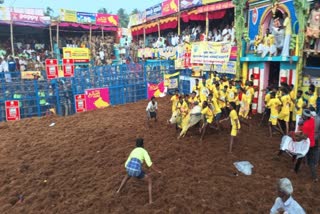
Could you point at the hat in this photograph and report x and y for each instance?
(285, 186)
(307, 112)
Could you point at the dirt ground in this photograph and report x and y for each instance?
(77, 165)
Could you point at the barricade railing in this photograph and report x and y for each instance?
(127, 83)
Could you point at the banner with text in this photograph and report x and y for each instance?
(68, 15)
(107, 19)
(97, 98)
(186, 4)
(156, 90)
(210, 52)
(78, 54)
(224, 68)
(169, 7)
(32, 19)
(86, 18)
(210, 1)
(137, 19)
(154, 12)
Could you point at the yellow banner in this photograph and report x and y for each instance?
(30, 75)
(76, 53)
(68, 15)
(210, 1)
(171, 80)
(210, 52)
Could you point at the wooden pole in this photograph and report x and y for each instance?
(159, 28)
(207, 24)
(11, 37)
(102, 33)
(144, 35)
(179, 27)
(58, 35)
(90, 35)
(50, 34)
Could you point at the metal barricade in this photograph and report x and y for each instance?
(127, 83)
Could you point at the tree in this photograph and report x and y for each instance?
(49, 12)
(103, 10)
(135, 11)
(123, 17)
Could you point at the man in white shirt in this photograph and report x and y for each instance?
(285, 203)
(152, 109)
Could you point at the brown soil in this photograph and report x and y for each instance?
(77, 165)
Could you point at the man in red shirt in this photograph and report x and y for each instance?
(308, 129)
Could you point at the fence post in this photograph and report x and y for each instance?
(145, 79)
(58, 97)
(36, 89)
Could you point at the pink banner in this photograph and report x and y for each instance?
(107, 19)
(233, 53)
(28, 18)
(169, 7)
(156, 90)
(97, 98)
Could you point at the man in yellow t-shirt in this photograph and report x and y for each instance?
(215, 109)
(208, 118)
(235, 124)
(298, 108)
(293, 98)
(193, 98)
(274, 105)
(288, 31)
(134, 164)
(175, 99)
(312, 101)
(182, 106)
(285, 110)
(197, 88)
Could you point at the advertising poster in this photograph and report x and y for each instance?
(97, 98)
(79, 55)
(154, 12)
(186, 4)
(68, 15)
(170, 7)
(86, 18)
(156, 90)
(107, 19)
(210, 52)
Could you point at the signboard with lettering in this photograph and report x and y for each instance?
(154, 12)
(12, 110)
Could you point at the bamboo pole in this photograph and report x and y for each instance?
(11, 37)
(58, 34)
(90, 36)
(159, 34)
(179, 25)
(144, 35)
(51, 44)
(207, 24)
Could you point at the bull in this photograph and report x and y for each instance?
(191, 119)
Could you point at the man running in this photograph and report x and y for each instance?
(152, 109)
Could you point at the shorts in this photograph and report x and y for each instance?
(153, 114)
(285, 117)
(134, 169)
(273, 120)
(218, 116)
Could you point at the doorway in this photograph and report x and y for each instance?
(274, 74)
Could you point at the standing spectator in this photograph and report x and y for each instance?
(288, 31)
(308, 129)
(285, 202)
(11, 64)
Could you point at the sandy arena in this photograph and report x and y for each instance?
(77, 165)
